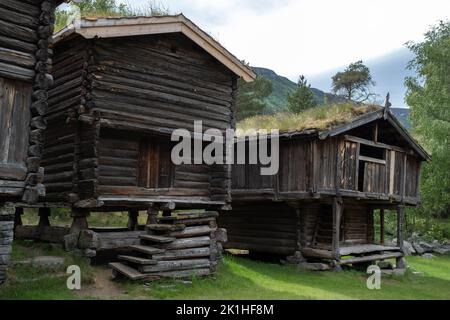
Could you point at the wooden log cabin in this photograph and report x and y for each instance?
(25, 29)
(121, 87)
(322, 201)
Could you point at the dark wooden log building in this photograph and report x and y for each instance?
(122, 85)
(322, 201)
(25, 29)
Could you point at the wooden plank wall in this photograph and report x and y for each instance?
(325, 164)
(349, 157)
(295, 165)
(261, 227)
(356, 224)
(412, 176)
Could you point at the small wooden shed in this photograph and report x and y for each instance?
(321, 203)
(25, 28)
(122, 86)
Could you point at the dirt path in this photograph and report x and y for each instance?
(104, 287)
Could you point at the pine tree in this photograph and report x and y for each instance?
(302, 98)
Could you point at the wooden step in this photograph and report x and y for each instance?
(165, 227)
(127, 271)
(157, 239)
(138, 260)
(374, 257)
(146, 249)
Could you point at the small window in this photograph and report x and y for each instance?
(372, 152)
(155, 165)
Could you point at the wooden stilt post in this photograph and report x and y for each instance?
(382, 226)
(18, 217)
(337, 212)
(133, 220)
(400, 261)
(79, 221)
(152, 215)
(44, 214)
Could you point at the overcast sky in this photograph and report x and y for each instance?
(311, 36)
(308, 37)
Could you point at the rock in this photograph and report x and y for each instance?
(44, 262)
(4, 259)
(428, 256)
(89, 253)
(408, 249)
(394, 272)
(418, 248)
(221, 235)
(296, 258)
(442, 250)
(426, 246)
(435, 244)
(401, 263)
(305, 266)
(385, 265)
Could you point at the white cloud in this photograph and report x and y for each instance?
(306, 37)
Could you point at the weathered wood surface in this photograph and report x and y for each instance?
(175, 265)
(52, 234)
(190, 253)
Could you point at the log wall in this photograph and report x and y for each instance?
(261, 227)
(160, 82)
(65, 98)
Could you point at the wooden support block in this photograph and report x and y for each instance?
(133, 216)
(152, 215)
(44, 214)
(337, 213)
(79, 221)
(18, 217)
(400, 226)
(382, 226)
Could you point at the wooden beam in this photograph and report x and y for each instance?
(370, 159)
(18, 217)
(373, 143)
(79, 221)
(400, 226)
(44, 213)
(337, 212)
(382, 226)
(133, 220)
(375, 132)
(152, 215)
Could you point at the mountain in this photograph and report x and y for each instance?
(388, 72)
(282, 86)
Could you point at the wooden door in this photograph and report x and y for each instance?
(15, 100)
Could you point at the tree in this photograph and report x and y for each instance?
(428, 95)
(250, 97)
(301, 98)
(354, 82)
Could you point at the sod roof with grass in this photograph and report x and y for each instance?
(315, 119)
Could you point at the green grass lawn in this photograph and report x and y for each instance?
(238, 278)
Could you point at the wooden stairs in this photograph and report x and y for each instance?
(175, 247)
